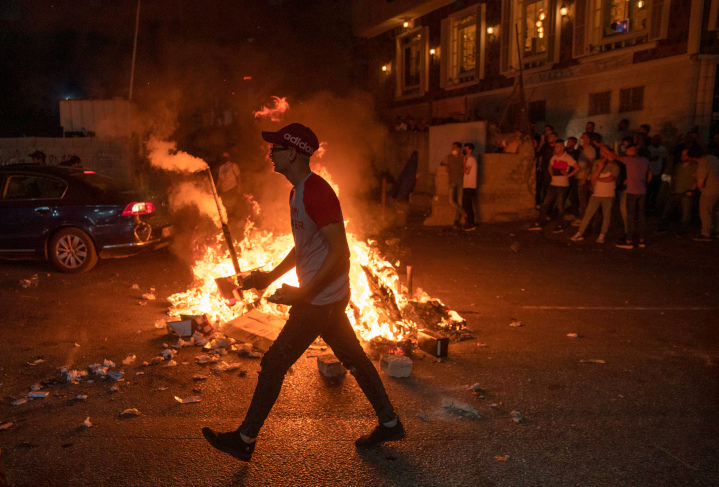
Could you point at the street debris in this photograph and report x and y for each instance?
(129, 413)
(135, 286)
(203, 359)
(198, 377)
(517, 417)
(225, 367)
(148, 296)
(592, 361)
(130, 359)
(87, 423)
(422, 416)
(246, 350)
(116, 375)
(20, 401)
(573, 335)
(515, 323)
(168, 353)
(330, 366)
(32, 282)
(501, 458)
(396, 365)
(38, 395)
(36, 387)
(113, 389)
(432, 343)
(170, 363)
(188, 400)
(142, 303)
(460, 407)
(5, 426)
(36, 362)
(160, 324)
(81, 397)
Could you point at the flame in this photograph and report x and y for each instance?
(379, 308)
(275, 113)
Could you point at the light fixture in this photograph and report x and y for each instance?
(640, 4)
(405, 24)
(563, 10)
(432, 51)
(539, 23)
(384, 68)
(541, 15)
(490, 30)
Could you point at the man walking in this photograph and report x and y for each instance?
(469, 188)
(708, 184)
(453, 162)
(321, 259)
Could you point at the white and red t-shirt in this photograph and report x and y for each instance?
(313, 204)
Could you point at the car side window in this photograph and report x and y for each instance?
(28, 187)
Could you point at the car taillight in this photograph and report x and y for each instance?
(141, 208)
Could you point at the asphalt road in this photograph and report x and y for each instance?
(648, 415)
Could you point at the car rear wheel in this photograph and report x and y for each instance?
(71, 250)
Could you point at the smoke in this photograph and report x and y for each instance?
(188, 194)
(164, 155)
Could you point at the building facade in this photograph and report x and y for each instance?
(649, 61)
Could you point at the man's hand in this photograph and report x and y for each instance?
(258, 280)
(288, 295)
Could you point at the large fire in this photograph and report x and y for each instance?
(380, 305)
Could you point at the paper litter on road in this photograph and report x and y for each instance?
(129, 413)
(203, 359)
(148, 296)
(36, 362)
(38, 395)
(517, 416)
(87, 423)
(592, 361)
(134, 286)
(81, 397)
(188, 400)
(36, 387)
(170, 363)
(130, 359)
(116, 375)
(198, 377)
(573, 335)
(5, 426)
(515, 323)
(20, 401)
(160, 324)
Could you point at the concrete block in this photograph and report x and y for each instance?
(396, 365)
(330, 366)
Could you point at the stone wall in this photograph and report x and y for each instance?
(110, 156)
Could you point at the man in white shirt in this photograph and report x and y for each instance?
(562, 166)
(469, 187)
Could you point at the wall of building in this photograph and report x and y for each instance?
(109, 156)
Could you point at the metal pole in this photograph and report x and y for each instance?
(409, 281)
(134, 49)
(225, 229)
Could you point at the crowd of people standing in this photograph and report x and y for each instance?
(638, 174)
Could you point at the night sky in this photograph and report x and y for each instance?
(198, 57)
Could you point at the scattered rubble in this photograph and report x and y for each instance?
(36, 362)
(330, 366)
(396, 365)
(515, 323)
(148, 296)
(188, 400)
(459, 407)
(38, 395)
(517, 417)
(6, 426)
(129, 413)
(20, 401)
(573, 335)
(130, 359)
(81, 397)
(87, 423)
(593, 361)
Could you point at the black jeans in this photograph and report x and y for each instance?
(305, 324)
(635, 216)
(556, 195)
(468, 196)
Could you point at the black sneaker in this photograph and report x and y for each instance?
(381, 434)
(230, 443)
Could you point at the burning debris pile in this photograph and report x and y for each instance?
(381, 307)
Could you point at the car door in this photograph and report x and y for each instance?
(27, 210)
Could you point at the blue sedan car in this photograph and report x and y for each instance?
(71, 216)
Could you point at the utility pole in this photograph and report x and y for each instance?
(134, 50)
